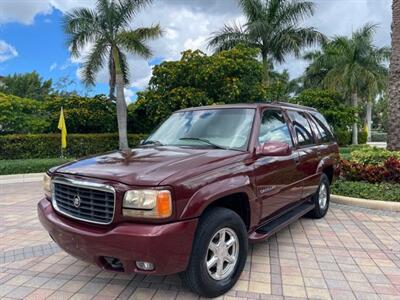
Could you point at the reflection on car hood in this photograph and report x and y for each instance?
(150, 166)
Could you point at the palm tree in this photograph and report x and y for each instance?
(394, 85)
(353, 66)
(107, 30)
(272, 26)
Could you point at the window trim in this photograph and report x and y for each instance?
(294, 133)
(331, 137)
(286, 119)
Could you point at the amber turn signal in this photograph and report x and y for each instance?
(164, 204)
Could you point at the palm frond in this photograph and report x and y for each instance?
(291, 13)
(252, 9)
(131, 42)
(127, 9)
(228, 37)
(94, 61)
(149, 33)
(81, 27)
(292, 40)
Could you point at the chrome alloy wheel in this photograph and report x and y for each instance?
(322, 196)
(222, 254)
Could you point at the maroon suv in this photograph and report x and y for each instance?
(192, 195)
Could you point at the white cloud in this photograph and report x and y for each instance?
(129, 94)
(22, 11)
(53, 66)
(7, 51)
(188, 24)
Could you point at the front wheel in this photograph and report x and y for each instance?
(219, 253)
(321, 199)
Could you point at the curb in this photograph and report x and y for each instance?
(372, 204)
(18, 178)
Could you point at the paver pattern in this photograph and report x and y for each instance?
(353, 253)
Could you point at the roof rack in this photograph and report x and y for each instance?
(293, 105)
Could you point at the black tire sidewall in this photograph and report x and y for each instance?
(322, 212)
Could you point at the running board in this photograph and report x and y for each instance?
(282, 221)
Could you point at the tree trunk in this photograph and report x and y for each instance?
(394, 82)
(354, 102)
(369, 119)
(265, 71)
(121, 104)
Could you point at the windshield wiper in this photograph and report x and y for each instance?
(151, 142)
(205, 141)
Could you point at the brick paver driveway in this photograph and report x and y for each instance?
(351, 253)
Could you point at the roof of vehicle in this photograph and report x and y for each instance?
(253, 105)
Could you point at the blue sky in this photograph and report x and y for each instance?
(42, 47)
(31, 36)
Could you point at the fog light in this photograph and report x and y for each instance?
(145, 265)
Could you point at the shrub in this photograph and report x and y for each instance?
(343, 137)
(362, 137)
(376, 191)
(373, 155)
(330, 104)
(389, 171)
(21, 166)
(377, 136)
(48, 145)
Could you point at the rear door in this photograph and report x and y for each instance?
(277, 178)
(307, 150)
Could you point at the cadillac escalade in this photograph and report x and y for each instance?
(192, 195)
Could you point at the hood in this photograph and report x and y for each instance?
(148, 166)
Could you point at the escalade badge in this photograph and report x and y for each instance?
(77, 201)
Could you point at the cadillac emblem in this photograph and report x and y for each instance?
(77, 201)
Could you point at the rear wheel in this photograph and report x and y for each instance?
(321, 199)
(219, 253)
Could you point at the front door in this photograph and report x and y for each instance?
(277, 177)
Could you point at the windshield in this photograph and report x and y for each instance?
(227, 128)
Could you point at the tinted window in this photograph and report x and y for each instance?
(325, 133)
(302, 128)
(274, 128)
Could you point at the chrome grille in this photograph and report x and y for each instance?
(85, 201)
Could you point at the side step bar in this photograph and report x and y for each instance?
(282, 221)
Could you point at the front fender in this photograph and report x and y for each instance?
(216, 190)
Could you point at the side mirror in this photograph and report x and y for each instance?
(274, 149)
(141, 142)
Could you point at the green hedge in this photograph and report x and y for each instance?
(22, 166)
(19, 146)
(374, 191)
(377, 136)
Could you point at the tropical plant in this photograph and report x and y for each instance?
(394, 86)
(281, 87)
(331, 104)
(353, 66)
(107, 30)
(28, 85)
(196, 79)
(272, 27)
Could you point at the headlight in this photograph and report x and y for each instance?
(147, 204)
(47, 185)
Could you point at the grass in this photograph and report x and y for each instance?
(22, 166)
(365, 190)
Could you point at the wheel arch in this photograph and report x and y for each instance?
(233, 193)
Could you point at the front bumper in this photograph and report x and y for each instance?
(168, 246)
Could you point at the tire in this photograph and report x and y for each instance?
(320, 210)
(214, 224)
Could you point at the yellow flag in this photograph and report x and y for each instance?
(63, 128)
